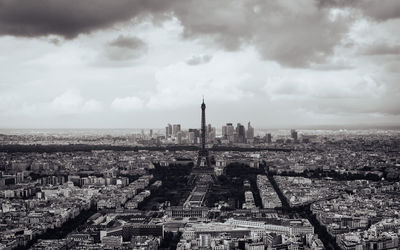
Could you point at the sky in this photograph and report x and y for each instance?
(146, 63)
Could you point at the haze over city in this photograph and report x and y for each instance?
(142, 64)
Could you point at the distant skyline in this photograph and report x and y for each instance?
(144, 64)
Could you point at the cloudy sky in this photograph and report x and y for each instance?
(145, 63)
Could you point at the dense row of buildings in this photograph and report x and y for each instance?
(22, 220)
(300, 190)
(42, 191)
(229, 134)
(249, 234)
(349, 217)
(269, 197)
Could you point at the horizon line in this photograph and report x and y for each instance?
(285, 127)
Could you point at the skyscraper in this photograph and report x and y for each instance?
(229, 129)
(250, 131)
(241, 133)
(229, 132)
(169, 129)
(175, 129)
(224, 132)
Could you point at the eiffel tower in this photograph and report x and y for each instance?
(203, 152)
(202, 173)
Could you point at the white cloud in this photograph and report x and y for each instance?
(71, 102)
(126, 104)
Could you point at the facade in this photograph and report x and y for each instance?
(194, 212)
(138, 229)
(287, 227)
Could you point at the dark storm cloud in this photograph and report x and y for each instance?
(292, 33)
(299, 46)
(69, 18)
(382, 10)
(379, 10)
